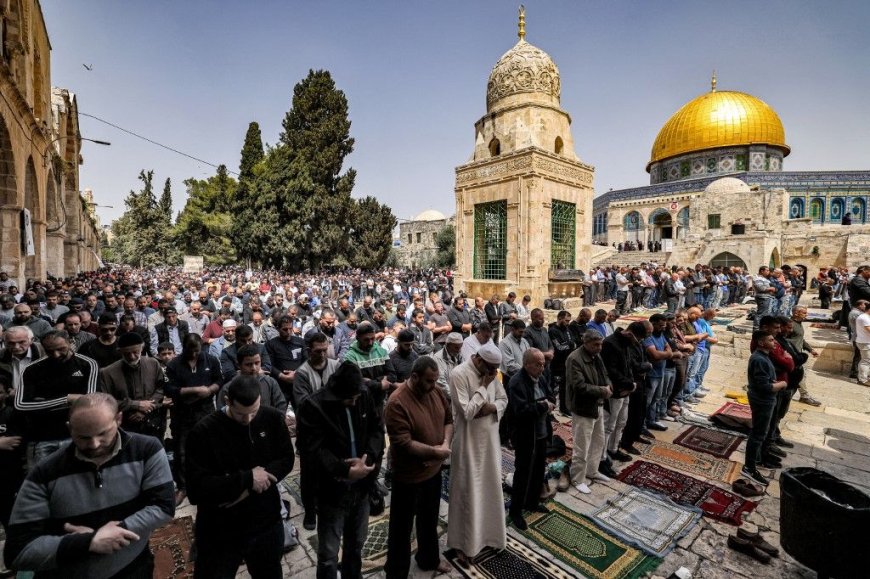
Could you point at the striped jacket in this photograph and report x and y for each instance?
(134, 487)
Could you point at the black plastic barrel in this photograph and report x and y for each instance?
(824, 523)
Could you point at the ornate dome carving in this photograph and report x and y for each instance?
(523, 69)
(719, 119)
(727, 186)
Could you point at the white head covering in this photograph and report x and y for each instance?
(490, 353)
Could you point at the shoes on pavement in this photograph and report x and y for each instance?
(747, 488)
(809, 400)
(699, 394)
(645, 432)
(776, 451)
(669, 418)
(309, 523)
(703, 389)
(771, 462)
(583, 488)
(780, 441)
(620, 456)
(657, 426)
(748, 548)
(605, 468)
(519, 522)
(600, 477)
(645, 440)
(757, 540)
(754, 476)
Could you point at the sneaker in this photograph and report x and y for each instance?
(692, 400)
(669, 418)
(704, 389)
(599, 477)
(754, 476)
(583, 488)
(781, 442)
(809, 400)
(776, 451)
(673, 414)
(771, 462)
(657, 426)
(698, 393)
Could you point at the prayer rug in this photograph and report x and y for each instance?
(690, 417)
(713, 442)
(715, 502)
(374, 554)
(650, 521)
(171, 547)
(734, 416)
(564, 431)
(291, 484)
(516, 561)
(576, 541)
(690, 461)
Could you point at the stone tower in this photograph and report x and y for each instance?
(524, 199)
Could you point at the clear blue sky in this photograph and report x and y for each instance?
(193, 73)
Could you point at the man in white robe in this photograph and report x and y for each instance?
(476, 516)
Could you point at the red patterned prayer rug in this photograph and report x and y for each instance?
(171, 547)
(734, 416)
(680, 488)
(713, 442)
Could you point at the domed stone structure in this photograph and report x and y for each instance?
(727, 186)
(718, 132)
(523, 200)
(525, 72)
(430, 215)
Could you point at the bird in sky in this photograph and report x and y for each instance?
(88, 67)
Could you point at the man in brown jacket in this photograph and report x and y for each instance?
(588, 387)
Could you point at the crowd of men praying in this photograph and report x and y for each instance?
(237, 364)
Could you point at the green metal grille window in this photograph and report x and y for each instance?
(490, 240)
(564, 231)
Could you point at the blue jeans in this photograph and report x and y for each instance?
(762, 308)
(703, 365)
(762, 413)
(348, 518)
(653, 395)
(691, 375)
(669, 378)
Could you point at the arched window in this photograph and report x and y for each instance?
(660, 217)
(632, 221)
(494, 148)
(837, 209)
(817, 210)
(558, 146)
(8, 185)
(859, 210)
(796, 208)
(727, 259)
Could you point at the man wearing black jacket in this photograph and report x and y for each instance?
(235, 458)
(563, 344)
(345, 439)
(618, 352)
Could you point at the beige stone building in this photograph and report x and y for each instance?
(416, 246)
(718, 195)
(45, 227)
(524, 199)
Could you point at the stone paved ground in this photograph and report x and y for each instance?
(834, 437)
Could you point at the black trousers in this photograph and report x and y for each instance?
(410, 501)
(636, 416)
(220, 557)
(308, 483)
(529, 474)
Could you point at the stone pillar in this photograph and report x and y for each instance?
(54, 259)
(10, 243)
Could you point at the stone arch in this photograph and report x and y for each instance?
(8, 182)
(796, 208)
(494, 147)
(31, 203)
(683, 223)
(775, 260)
(558, 146)
(817, 210)
(659, 217)
(727, 259)
(859, 210)
(838, 207)
(632, 221)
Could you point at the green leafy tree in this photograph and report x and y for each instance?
(445, 241)
(141, 236)
(371, 233)
(243, 206)
(204, 226)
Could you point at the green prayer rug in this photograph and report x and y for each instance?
(579, 543)
(374, 554)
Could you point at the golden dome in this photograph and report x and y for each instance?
(719, 119)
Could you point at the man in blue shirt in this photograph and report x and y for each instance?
(658, 352)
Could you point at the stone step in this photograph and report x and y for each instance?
(634, 258)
